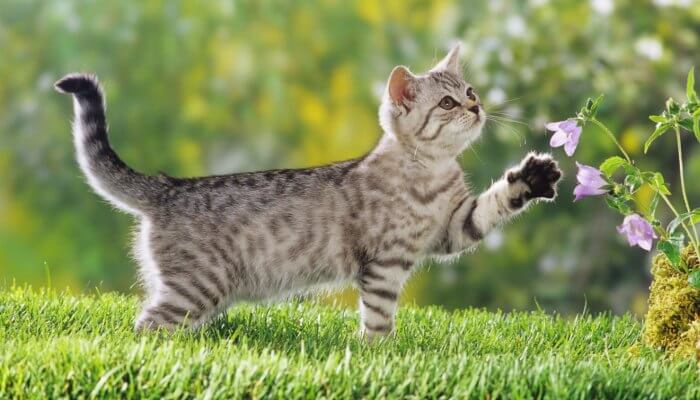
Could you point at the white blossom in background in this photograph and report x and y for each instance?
(494, 240)
(505, 56)
(527, 74)
(66, 12)
(548, 264)
(448, 274)
(378, 89)
(496, 96)
(538, 3)
(669, 3)
(496, 6)
(408, 46)
(538, 122)
(28, 106)
(603, 7)
(515, 26)
(649, 47)
(226, 8)
(513, 111)
(490, 43)
(45, 81)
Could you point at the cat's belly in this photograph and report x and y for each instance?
(278, 276)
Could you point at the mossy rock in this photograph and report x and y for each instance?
(673, 320)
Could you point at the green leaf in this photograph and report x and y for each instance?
(648, 176)
(619, 204)
(694, 279)
(609, 166)
(633, 182)
(671, 250)
(653, 205)
(695, 216)
(632, 170)
(687, 124)
(658, 119)
(696, 126)
(658, 183)
(591, 108)
(596, 104)
(692, 216)
(672, 106)
(690, 86)
(660, 129)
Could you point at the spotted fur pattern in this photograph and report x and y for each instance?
(207, 243)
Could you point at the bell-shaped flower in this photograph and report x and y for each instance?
(590, 182)
(638, 231)
(566, 133)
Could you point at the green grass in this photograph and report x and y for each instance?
(60, 345)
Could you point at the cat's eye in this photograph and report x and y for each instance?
(447, 103)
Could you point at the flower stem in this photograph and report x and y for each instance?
(685, 227)
(693, 239)
(612, 137)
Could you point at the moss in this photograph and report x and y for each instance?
(673, 320)
(687, 345)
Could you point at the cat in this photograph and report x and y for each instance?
(206, 243)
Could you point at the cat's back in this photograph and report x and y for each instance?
(259, 208)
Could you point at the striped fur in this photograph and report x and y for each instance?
(207, 243)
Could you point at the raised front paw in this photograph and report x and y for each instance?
(538, 175)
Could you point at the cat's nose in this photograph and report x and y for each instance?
(474, 109)
(470, 94)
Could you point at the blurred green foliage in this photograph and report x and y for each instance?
(212, 87)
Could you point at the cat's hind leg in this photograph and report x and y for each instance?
(188, 295)
(179, 291)
(168, 312)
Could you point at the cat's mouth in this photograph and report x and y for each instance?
(479, 118)
(478, 112)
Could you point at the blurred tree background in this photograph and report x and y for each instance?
(222, 86)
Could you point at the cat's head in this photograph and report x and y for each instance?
(435, 115)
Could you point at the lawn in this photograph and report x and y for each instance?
(62, 345)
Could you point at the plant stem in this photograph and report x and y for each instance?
(612, 137)
(685, 227)
(680, 170)
(693, 239)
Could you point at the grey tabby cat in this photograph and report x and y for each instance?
(207, 243)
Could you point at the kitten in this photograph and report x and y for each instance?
(206, 243)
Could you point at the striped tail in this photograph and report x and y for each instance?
(106, 173)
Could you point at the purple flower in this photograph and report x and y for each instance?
(566, 133)
(590, 182)
(639, 232)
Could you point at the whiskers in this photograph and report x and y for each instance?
(505, 121)
(500, 117)
(499, 106)
(472, 148)
(506, 124)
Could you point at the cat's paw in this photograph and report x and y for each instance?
(537, 176)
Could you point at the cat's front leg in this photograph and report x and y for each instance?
(380, 282)
(474, 216)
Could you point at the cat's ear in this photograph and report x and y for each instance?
(400, 86)
(451, 61)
